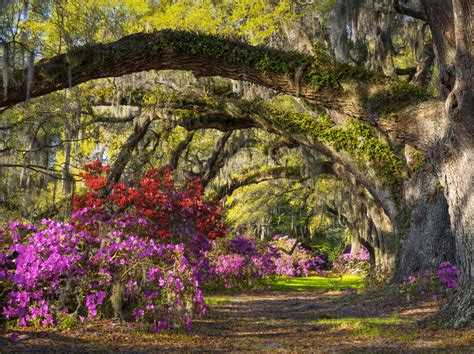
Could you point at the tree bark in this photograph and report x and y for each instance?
(197, 53)
(428, 226)
(440, 18)
(176, 154)
(454, 158)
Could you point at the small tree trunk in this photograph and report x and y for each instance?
(356, 246)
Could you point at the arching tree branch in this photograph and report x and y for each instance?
(321, 80)
(280, 172)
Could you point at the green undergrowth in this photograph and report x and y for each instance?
(213, 300)
(315, 283)
(391, 328)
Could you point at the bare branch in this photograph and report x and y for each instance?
(403, 9)
(41, 169)
(174, 160)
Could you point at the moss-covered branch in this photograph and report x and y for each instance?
(315, 78)
(356, 146)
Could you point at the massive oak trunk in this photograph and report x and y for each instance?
(454, 159)
(428, 240)
(457, 176)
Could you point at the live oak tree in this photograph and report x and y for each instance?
(411, 154)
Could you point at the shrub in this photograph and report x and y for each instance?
(180, 214)
(349, 263)
(431, 284)
(293, 261)
(55, 272)
(239, 263)
(140, 248)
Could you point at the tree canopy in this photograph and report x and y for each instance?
(314, 118)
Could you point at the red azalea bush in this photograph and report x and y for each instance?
(152, 206)
(169, 212)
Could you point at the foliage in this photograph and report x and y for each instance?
(436, 285)
(394, 97)
(349, 263)
(357, 139)
(269, 207)
(330, 242)
(294, 260)
(53, 272)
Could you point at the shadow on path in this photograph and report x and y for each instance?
(314, 321)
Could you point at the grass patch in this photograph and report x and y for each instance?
(315, 283)
(212, 300)
(391, 328)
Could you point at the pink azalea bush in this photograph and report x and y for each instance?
(348, 263)
(431, 284)
(294, 261)
(51, 271)
(239, 263)
(140, 254)
(136, 253)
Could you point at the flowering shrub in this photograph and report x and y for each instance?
(136, 253)
(434, 284)
(152, 207)
(293, 261)
(353, 263)
(239, 262)
(54, 271)
(170, 213)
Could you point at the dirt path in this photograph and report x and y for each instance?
(314, 321)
